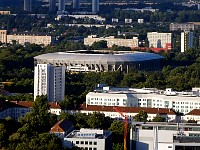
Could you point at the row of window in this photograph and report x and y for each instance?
(86, 142)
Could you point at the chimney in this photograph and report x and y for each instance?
(56, 103)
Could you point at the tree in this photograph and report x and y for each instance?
(99, 45)
(117, 128)
(96, 120)
(159, 119)
(141, 116)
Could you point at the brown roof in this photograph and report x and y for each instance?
(30, 104)
(194, 112)
(128, 109)
(62, 126)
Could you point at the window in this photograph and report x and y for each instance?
(95, 143)
(90, 148)
(82, 142)
(90, 143)
(77, 142)
(94, 148)
(86, 142)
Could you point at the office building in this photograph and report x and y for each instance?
(28, 5)
(89, 139)
(61, 5)
(165, 136)
(76, 4)
(186, 40)
(160, 40)
(95, 6)
(52, 5)
(49, 80)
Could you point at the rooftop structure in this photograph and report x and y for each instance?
(88, 61)
(94, 139)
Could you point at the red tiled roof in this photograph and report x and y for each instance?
(127, 109)
(195, 112)
(30, 104)
(61, 126)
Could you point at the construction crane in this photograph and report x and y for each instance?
(125, 126)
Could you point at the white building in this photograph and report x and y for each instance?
(89, 139)
(126, 20)
(49, 80)
(162, 136)
(140, 20)
(186, 40)
(159, 40)
(183, 102)
(169, 114)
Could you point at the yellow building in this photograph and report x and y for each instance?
(4, 12)
(111, 40)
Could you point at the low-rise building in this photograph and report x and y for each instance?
(108, 111)
(89, 139)
(62, 128)
(182, 26)
(111, 40)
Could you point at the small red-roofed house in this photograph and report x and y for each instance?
(62, 128)
(192, 115)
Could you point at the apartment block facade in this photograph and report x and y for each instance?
(160, 40)
(186, 40)
(111, 40)
(49, 80)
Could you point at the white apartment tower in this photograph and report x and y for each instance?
(61, 5)
(186, 40)
(49, 80)
(159, 40)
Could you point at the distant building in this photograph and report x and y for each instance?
(115, 20)
(61, 5)
(52, 5)
(198, 6)
(95, 6)
(76, 4)
(111, 40)
(182, 26)
(164, 136)
(30, 37)
(3, 36)
(49, 80)
(160, 40)
(128, 20)
(140, 20)
(28, 5)
(62, 128)
(4, 12)
(186, 40)
(90, 139)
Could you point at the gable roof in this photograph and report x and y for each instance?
(62, 126)
(195, 112)
(127, 109)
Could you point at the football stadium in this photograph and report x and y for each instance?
(85, 61)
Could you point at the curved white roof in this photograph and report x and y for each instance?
(101, 58)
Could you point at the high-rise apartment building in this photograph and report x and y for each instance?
(28, 5)
(61, 5)
(52, 5)
(159, 40)
(49, 80)
(95, 6)
(76, 4)
(186, 40)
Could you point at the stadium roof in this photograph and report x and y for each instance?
(102, 58)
